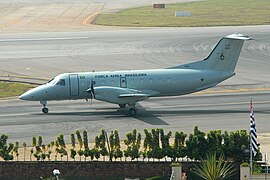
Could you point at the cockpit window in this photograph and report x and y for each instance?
(52, 81)
(61, 82)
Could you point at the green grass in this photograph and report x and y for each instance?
(9, 89)
(204, 13)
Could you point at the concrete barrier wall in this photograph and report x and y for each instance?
(92, 170)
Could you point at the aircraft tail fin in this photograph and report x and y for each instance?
(223, 57)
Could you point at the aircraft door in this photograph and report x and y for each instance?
(74, 84)
(123, 82)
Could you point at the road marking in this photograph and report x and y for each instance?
(43, 39)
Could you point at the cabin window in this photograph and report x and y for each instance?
(61, 82)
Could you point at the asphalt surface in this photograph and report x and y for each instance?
(44, 55)
(23, 120)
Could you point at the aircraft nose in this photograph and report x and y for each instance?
(22, 97)
(27, 96)
(35, 94)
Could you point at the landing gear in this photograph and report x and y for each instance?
(44, 109)
(132, 112)
(122, 106)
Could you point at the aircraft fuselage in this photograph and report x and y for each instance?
(156, 82)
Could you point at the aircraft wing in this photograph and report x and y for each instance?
(119, 95)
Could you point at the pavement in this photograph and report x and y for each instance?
(41, 40)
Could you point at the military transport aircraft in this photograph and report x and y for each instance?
(129, 87)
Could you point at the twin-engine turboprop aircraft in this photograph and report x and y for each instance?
(129, 87)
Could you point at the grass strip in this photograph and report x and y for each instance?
(9, 89)
(203, 13)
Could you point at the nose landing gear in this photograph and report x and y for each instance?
(45, 110)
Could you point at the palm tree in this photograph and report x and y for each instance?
(213, 169)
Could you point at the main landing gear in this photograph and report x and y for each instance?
(45, 110)
(132, 111)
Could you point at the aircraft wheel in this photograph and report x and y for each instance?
(45, 110)
(122, 105)
(132, 112)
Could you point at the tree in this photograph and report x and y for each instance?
(56, 149)
(214, 142)
(148, 145)
(214, 169)
(6, 150)
(80, 153)
(79, 137)
(85, 139)
(156, 151)
(31, 153)
(96, 153)
(80, 141)
(49, 146)
(179, 150)
(72, 154)
(73, 142)
(39, 141)
(61, 142)
(34, 142)
(235, 144)
(24, 150)
(196, 144)
(52, 144)
(133, 143)
(117, 147)
(165, 143)
(152, 147)
(43, 156)
(15, 149)
(87, 151)
(100, 144)
(112, 146)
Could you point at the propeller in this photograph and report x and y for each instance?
(91, 91)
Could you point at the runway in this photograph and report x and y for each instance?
(44, 55)
(23, 120)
